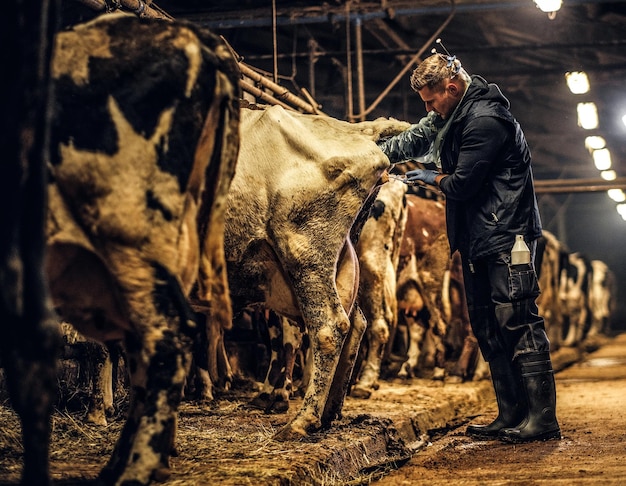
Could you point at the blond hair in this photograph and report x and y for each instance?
(433, 70)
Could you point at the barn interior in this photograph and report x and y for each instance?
(352, 60)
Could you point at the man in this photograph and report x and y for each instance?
(485, 174)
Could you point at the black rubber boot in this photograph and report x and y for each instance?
(511, 403)
(540, 422)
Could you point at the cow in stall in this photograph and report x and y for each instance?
(286, 339)
(574, 296)
(551, 262)
(145, 138)
(378, 250)
(601, 298)
(30, 335)
(424, 260)
(301, 182)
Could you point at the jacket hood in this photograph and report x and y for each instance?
(480, 89)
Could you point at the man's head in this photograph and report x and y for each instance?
(441, 82)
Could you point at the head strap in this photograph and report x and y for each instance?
(454, 67)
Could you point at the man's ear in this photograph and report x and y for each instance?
(454, 88)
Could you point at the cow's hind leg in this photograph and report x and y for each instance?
(342, 378)
(158, 357)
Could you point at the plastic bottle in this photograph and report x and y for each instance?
(520, 254)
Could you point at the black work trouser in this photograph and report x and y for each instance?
(501, 304)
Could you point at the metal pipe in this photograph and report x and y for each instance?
(349, 64)
(359, 68)
(413, 60)
(282, 93)
(262, 95)
(578, 185)
(290, 17)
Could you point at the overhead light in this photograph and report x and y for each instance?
(617, 195)
(602, 159)
(624, 119)
(608, 175)
(549, 6)
(594, 142)
(577, 82)
(621, 209)
(587, 115)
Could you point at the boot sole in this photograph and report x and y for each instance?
(552, 435)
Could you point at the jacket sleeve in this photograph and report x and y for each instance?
(482, 143)
(414, 142)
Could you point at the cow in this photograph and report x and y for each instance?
(424, 260)
(601, 297)
(551, 262)
(145, 140)
(30, 335)
(574, 297)
(378, 249)
(300, 184)
(93, 370)
(286, 338)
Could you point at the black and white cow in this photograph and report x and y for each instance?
(145, 138)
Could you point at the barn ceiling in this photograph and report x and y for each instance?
(304, 44)
(511, 43)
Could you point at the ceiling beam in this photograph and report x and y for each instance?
(362, 12)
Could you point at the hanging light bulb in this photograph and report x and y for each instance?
(594, 142)
(587, 115)
(602, 159)
(549, 6)
(617, 195)
(577, 82)
(608, 175)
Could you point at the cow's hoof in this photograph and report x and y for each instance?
(360, 392)
(278, 406)
(262, 401)
(290, 432)
(439, 374)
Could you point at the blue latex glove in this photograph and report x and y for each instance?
(425, 175)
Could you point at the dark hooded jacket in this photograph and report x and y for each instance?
(489, 190)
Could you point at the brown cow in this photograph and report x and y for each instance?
(146, 139)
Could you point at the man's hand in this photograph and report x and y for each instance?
(424, 175)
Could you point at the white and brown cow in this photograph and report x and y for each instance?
(601, 297)
(424, 260)
(574, 296)
(301, 181)
(378, 249)
(145, 132)
(30, 337)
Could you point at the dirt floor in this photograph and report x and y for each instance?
(407, 433)
(591, 397)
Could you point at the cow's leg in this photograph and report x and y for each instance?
(345, 367)
(377, 337)
(417, 334)
(263, 400)
(285, 341)
(318, 290)
(100, 376)
(466, 364)
(158, 356)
